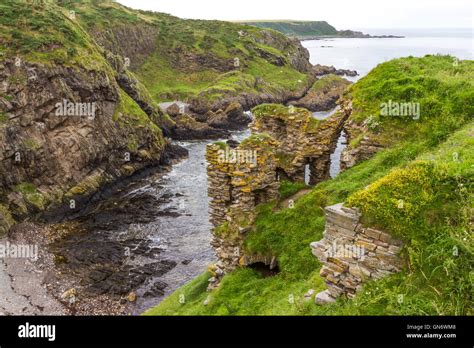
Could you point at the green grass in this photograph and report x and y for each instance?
(298, 28)
(430, 170)
(166, 83)
(288, 188)
(326, 82)
(445, 93)
(43, 32)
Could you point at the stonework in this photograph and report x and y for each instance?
(365, 148)
(352, 254)
(284, 140)
(236, 185)
(303, 139)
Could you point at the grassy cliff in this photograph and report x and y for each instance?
(181, 59)
(298, 28)
(427, 163)
(172, 57)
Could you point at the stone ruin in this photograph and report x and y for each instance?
(303, 139)
(283, 142)
(238, 180)
(352, 254)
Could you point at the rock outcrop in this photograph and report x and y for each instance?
(187, 127)
(232, 118)
(353, 254)
(320, 70)
(67, 132)
(247, 98)
(324, 94)
(134, 42)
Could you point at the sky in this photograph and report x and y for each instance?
(342, 14)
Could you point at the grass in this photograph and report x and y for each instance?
(42, 32)
(431, 171)
(326, 82)
(45, 32)
(298, 28)
(288, 188)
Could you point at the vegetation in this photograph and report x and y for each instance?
(31, 195)
(190, 58)
(418, 188)
(44, 32)
(298, 28)
(326, 82)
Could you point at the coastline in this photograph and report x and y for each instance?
(311, 38)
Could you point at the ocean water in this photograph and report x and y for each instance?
(365, 54)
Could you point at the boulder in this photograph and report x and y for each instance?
(324, 297)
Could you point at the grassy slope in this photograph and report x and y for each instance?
(197, 37)
(45, 33)
(37, 30)
(222, 40)
(429, 166)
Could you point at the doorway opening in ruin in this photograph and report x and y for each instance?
(228, 203)
(281, 175)
(260, 197)
(265, 269)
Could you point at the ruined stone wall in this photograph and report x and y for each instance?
(303, 139)
(352, 254)
(284, 139)
(362, 149)
(239, 179)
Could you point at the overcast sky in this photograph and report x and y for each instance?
(343, 14)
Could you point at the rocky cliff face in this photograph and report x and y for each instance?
(136, 42)
(352, 254)
(297, 54)
(65, 133)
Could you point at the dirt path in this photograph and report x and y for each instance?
(286, 202)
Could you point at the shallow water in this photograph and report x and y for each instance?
(151, 237)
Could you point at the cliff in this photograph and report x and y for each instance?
(311, 30)
(81, 82)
